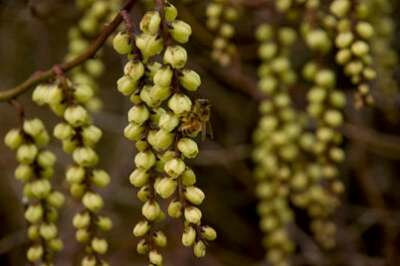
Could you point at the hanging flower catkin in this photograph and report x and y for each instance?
(163, 122)
(221, 15)
(35, 171)
(94, 15)
(276, 152)
(79, 137)
(353, 35)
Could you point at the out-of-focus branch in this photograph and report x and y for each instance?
(42, 76)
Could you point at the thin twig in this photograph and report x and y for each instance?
(42, 76)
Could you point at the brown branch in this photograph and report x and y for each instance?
(42, 76)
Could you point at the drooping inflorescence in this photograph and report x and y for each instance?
(41, 200)
(94, 15)
(163, 122)
(221, 16)
(79, 137)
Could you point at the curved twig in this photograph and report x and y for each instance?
(42, 76)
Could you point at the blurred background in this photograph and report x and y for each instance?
(33, 37)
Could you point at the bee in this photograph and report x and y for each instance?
(197, 120)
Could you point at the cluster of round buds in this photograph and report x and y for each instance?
(221, 16)
(379, 14)
(353, 35)
(95, 14)
(163, 123)
(276, 150)
(79, 137)
(35, 171)
(325, 106)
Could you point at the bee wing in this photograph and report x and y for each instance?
(209, 129)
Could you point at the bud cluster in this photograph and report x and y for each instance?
(353, 36)
(79, 138)
(221, 16)
(163, 125)
(35, 171)
(94, 15)
(276, 152)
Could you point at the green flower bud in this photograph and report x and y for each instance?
(180, 104)
(82, 235)
(214, 10)
(199, 249)
(344, 39)
(188, 147)
(99, 245)
(42, 139)
(121, 43)
(174, 167)
(338, 99)
(227, 31)
(163, 77)
(188, 236)
(26, 153)
(267, 51)
(340, 8)
(88, 261)
(318, 39)
(63, 131)
(192, 215)
(77, 190)
(34, 253)
(40, 188)
(56, 199)
(343, 56)
(46, 159)
(39, 95)
(126, 85)
(160, 239)
(161, 139)
(170, 12)
(264, 32)
(188, 177)
(180, 31)
(194, 195)
(100, 178)
(56, 244)
(83, 92)
(33, 127)
(94, 67)
(54, 95)
(175, 56)
(141, 228)
(155, 257)
(207, 232)
(365, 29)
(151, 210)
(134, 70)
(360, 48)
(33, 232)
(337, 154)
(85, 156)
(34, 214)
(333, 118)
(91, 135)
(75, 174)
(287, 36)
(143, 194)
(24, 172)
(145, 160)
(142, 247)
(158, 94)
(175, 209)
(150, 22)
(48, 231)
(166, 187)
(13, 139)
(76, 116)
(92, 201)
(133, 131)
(168, 121)
(190, 80)
(149, 45)
(325, 78)
(104, 223)
(139, 177)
